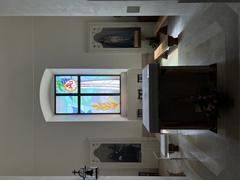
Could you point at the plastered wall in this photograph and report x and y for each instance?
(28, 45)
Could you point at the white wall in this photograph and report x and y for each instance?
(16, 99)
(28, 45)
(91, 8)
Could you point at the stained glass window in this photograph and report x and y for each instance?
(66, 84)
(67, 104)
(87, 94)
(100, 104)
(100, 84)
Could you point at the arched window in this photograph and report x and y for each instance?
(83, 95)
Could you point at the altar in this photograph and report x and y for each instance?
(173, 97)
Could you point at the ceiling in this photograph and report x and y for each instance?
(93, 8)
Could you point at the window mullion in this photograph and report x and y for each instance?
(79, 95)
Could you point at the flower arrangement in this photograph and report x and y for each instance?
(212, 104)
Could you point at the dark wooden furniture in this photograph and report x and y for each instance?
(176, 86)
(164, 40)
(171, 105)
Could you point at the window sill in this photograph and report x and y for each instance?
(87, 118)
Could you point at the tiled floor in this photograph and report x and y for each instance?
(213, 37)
(217, 156)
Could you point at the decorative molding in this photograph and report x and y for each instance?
(46, 97)
(148, 146)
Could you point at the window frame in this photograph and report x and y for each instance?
(79, 94)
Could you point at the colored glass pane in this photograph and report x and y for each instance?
(100, 84)
(66, 104)
(100, 104)
(66, 84)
